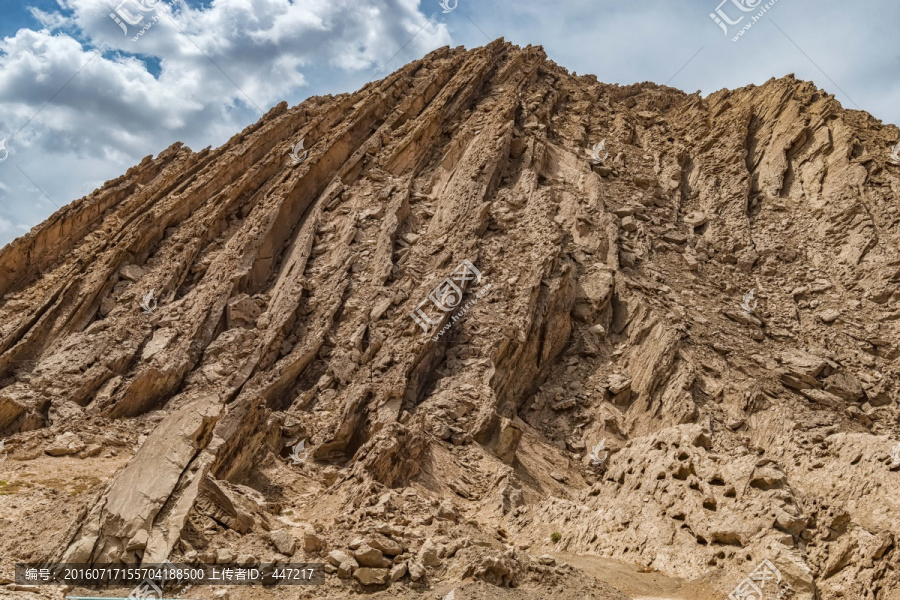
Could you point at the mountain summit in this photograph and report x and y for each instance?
(498, 331)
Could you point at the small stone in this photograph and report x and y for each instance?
(564, 405)
(674, 237)
(446, 511)
(345, 569)
(330, 475)
(644, 181)
(385, 544)
(428, 554)
(388, 529)
(283, 541)
(856, 413)
(398, 571)
(507, 445)
(92, 450)
(548, 560)
(246, 560)
(224, 556)
(242, 311)
(131, 272)
(312, 542)
(370, 576)
(624, 211)
(844, 385)
(336, 557)
(416, 570)
(619, 387)
(107, 305)
(695, 218)
(618, 383)
(830, 315)
(368, 556)
(441, 431)
(576, 444)
(734, 424)
(65, 444)
(691, 261)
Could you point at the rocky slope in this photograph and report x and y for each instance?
(301, 298)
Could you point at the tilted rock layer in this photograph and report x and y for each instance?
(603, 301)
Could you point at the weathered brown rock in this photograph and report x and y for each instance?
(369, 576)
(370, 557)
(283, 541)
(608, 308)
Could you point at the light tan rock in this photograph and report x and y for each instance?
(289, 298)
(384, 544)
(313, 542)
(510, 435)
(283, 541)
(369, 576)
(428, 554)
(397, 572)
(65, 444)
(416, 570)
(368, 556)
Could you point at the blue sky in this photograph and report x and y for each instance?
(80, 101)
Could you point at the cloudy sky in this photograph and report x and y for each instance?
(85, 95)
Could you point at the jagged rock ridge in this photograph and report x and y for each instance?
(282, 301)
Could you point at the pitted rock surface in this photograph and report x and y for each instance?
(611, 304)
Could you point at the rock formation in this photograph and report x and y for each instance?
(451, 303)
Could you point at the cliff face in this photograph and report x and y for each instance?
(451, 410)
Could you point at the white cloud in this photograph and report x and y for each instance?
(196, 75)
(50, 21)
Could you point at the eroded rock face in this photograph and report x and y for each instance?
(297, 376)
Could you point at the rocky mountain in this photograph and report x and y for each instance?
(493, 330)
